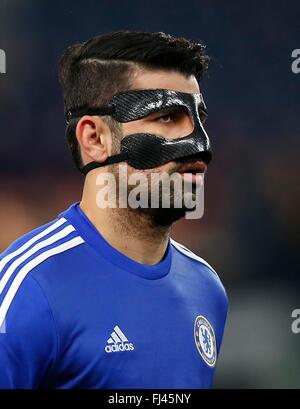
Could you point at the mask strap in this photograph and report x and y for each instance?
(121, 157)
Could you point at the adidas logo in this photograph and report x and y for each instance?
(118, 342)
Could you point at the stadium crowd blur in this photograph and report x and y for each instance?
(249, 229)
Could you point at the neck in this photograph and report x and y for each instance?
(132, 233)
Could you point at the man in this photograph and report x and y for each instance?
(101, 297)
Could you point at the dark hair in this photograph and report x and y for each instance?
(92, 72)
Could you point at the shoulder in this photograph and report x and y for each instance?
(209, 273)
(44, 236)
(189, 254)
(34, 247)
(31, 254)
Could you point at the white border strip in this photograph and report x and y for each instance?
(30, 266)
(34, 239)
(57, 236)
(190, 254)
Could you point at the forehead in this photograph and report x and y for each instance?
(144, 79)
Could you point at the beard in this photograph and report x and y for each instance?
(171, 202)
(161, 216)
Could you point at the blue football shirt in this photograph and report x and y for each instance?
(77, 313)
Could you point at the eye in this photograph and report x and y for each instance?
(170, 115)
(165, 119)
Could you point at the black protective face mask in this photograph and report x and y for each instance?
(147, 151)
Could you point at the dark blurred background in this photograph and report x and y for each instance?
(249, 229)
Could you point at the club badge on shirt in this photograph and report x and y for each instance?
(205, 340)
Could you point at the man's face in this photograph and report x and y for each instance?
(170, 126)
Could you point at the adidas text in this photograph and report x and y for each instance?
(119, 347)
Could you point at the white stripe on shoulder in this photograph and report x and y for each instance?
(52, 239)
(30, 266)
(34, 239)
(190, 254)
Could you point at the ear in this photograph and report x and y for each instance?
(95, 139)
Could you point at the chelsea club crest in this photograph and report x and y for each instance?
(205, 340)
